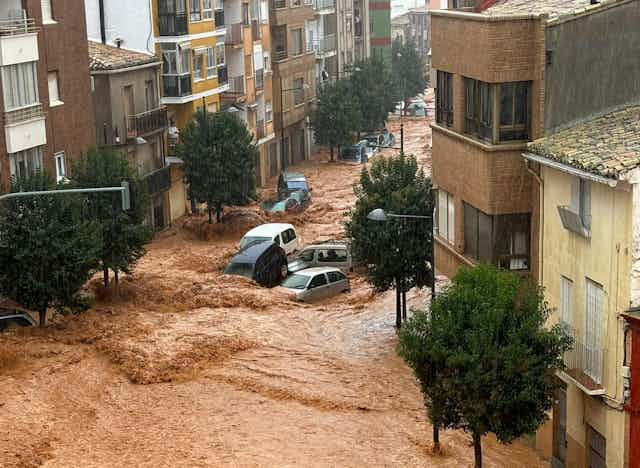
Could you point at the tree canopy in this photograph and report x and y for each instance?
(407, 68)
(336, 115)
(219, 160)
(124, 233)
(397, 252)
(48, 247)
(484, 359)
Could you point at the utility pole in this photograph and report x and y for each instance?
(283, 156)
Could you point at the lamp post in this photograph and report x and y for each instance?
(381, 216)
(399, 55)
(283, 156)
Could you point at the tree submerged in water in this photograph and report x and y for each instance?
(483, 357)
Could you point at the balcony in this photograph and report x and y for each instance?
(147, 122)
(176, 85)
(584, 364)
(236, 85)
(256, 30)
(18, 40)
(259, 74)
(280, 3)
(223, 77)
(260, 133)
(234, 35)
(159, 181)
(320, 5)
(25, 128)
(280, 54)
(324, 46)
(171, 24)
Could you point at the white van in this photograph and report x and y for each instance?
(282, 234)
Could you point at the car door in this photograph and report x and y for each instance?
(338, 282)
(317, 288)
(289, 241)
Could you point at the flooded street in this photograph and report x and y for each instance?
(189, 367)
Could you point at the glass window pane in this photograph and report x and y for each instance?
(485, 238)
(470, 231)
(522, 103)
(506, 103)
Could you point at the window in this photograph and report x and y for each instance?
(446, 219)
(566, 300)
(194, 10)
(511, 102)
(268, 111)
(296, 3)
(332, 255)
(306, 255)
(54, 91)
(211, 62)
(267, 65)
(298, 91)
(245, 14)
(197, 65)
(317, 281)
(255, 10)
(594, 304)
(444, 99)
(502, 240)
(207, 12)
(581, 200)
(150, 96)
(25, 163)
(47, 13)
(297, 41)
(220, 59)
(335, 276)
(61, 167)
(20, 85)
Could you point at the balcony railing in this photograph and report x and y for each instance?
(260, 129)
(223, 77)
(256, 30)
(159, 181)
(584, 362)
(324, 45)
(280, 54)
(17, 25)
(280, 3)
(323, 4)
(259, 74)
(234, 34)
(23, 114)
(147, 122)
(172, 24)
(236, 85)
(176, 85)
(218, 16)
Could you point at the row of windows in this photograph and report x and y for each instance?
(20, 86)
(207, 60)
(25, 163)
(495, 113)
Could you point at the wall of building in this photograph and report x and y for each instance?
(605, 259)
(125, 19)
(587, 80)
(380, 20)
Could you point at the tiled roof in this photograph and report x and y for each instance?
(106, 57)
(607, 146)
(553, 8)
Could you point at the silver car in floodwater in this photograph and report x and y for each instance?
(316, 283)
(327, 254)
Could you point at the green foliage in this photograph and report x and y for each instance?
(336, 115)
(398, 250)
(125, 233)
(48, 247)
(373, 89)
(408, 69)
(219, 158)
(484, 359)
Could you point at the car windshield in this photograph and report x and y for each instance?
(240, 269)
(351, 152)
(297, 184)
(252, 240)
(296, 282)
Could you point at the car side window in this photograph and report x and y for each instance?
(277, 240)
(317, 281)
(335, 276)
(331, 255)
(307, 255)
(291, 234)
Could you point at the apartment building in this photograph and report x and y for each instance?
(44, 72)
(413, 26)
(380, 29)
(562, 214)
(361, 30)
(250, 93)
(294, 78)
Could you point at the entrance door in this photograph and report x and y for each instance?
(559, 429)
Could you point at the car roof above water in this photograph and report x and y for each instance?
(252, 253)
(269, 229)
(294, 176)
(316, 270)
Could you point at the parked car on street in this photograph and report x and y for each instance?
(326, 254)
(11, 318)
(282, 234)
(296, 202)
(317, 283)
(357, 153)
(374, 141)
(388, 138)
(264, 262)
(290, 182)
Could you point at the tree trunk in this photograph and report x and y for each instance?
(404, 305)
(116, 281)
(219, 213)
(331, 152)
(105, 274)
(477, 448)
(436, 438)
(398, 306)
(209, 211)
(42, 316)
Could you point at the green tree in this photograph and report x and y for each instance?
(408, 69)
(48, 247)
(125, 233)
(219, 160)
(373, 89)
(484, 359)
(336, 115)
(397, 253)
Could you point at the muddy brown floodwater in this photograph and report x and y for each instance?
(189, 367)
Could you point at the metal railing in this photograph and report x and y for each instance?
(236, 84)
(260, 129)
(18, 25)
(176, 85)
(323, 4)
(147, 122)
(223, 77)
(172, 24)
(159, 180)
(256, 30)
(280, 54)
(584, 362)
(234, 34)
(259, 81)
(280, 3)
(23, 114)
(324, 44)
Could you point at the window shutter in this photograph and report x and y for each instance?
(451, 220)
(46, 11)
(575, 194)
(585, 203)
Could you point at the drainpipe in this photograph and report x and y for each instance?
(103, 34)
(541, 218)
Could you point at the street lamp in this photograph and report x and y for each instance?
(381, 216)
(399, 55)
(283, 157)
